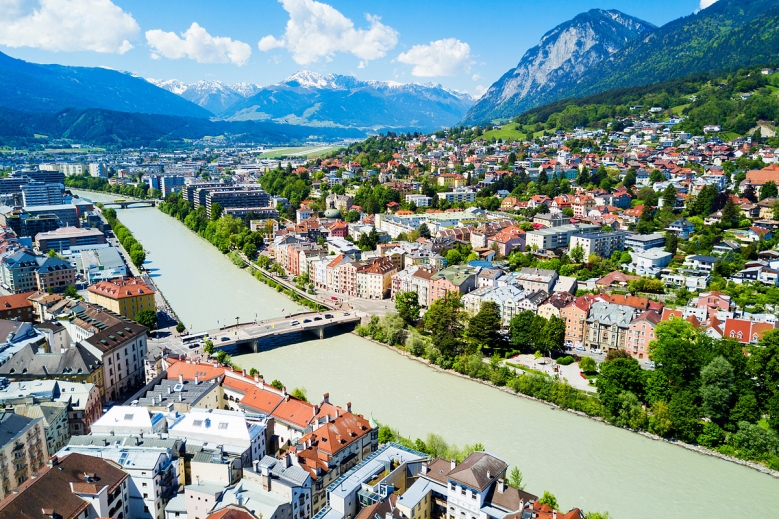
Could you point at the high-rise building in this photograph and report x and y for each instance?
(98, 169)
(40, 193)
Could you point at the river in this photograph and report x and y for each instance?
(583, 462)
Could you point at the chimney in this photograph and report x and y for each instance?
(169, 390)
(244, 372)
(454, 464)
(326, 398)
(53, 461)
(255, 463)
(489, 474)
(260, 380)
(181, 378)
(425, 468)
(159, 401)
(256, 378)
(181, 397)
(348, 407)
(198, 480)
(265, 478)
(388, 515)
(554, 514)
(521, 503)
(197, 380)
(501, 485)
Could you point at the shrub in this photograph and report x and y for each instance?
(565, 361)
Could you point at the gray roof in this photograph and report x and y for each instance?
(478, 470)
(12, 425)
(609, 314)
(73, 361)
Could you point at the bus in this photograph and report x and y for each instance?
(193, 337)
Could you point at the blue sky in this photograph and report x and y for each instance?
(462, 44)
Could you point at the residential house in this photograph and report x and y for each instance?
(125, 297)
(607, 326)
(374, 279)
(641, 332)
(459, 278)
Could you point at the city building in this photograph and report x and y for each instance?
(550, 238)
(76, 486)
(125, 297)
(67, 238)
(644, 242)
(238, 197)
(70, 170)
(40, 193)
(533, 279)
(17, 307)
(608, 325)
(22, 451)
(98, 169)
(601, 243)
(24, 271)
(171, 184)
(459, 195)
(641, 332)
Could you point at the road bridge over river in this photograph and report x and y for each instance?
(254, 334)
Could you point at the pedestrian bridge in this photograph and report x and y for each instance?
(255, 333)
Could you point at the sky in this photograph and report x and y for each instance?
(464, 45)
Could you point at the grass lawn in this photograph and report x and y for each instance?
(300, 151)
(525, 368)
(507, 132)
(677, 110)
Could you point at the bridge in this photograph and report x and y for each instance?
(124, 204)
(252, 334)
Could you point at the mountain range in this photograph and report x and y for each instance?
(311, 99)
(602, 50)
(214, 96)
(30, 87)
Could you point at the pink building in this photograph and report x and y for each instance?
(641, 332)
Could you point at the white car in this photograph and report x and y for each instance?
(294, 323)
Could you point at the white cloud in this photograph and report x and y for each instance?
(476, 77)
(448, 57)
(66, 25)
(479, 91)
(707, 3)
(316, 30)
(198, 45)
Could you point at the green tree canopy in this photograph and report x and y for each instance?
(408, 307)
(484, 327)
(147, 318)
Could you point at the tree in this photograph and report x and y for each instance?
(769, 190)
(730, 213)
(453, 257)
(484, 327)
(138, 257)
(216, 211)
(444, 322)
(588, 365)
(254, 372)
(424, 231)
(577, 253)
(208, 347)
(352, 216)
(754, 441)
(522, 331)
(515, 479)
(660, 418)
(223, 358)
(671, 242)
(70, 291)
(250, 250)
(684, 415)
(669, 198)
(629, 412)
(630, 178)
(677, 352)
(745, 410)
(553, 336)
(277, 384)
(617, 377)
(300, 394)
(386, 435)
(716, 389)
(548, 499)
(407, 306)
(147, 318)
(180, 327)
(763, 364)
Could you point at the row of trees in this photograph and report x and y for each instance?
(703, 391)
(126, 238)
(224, 232)
(141, 190)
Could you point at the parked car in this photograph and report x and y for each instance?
(306, 320)
(581, 348)
(317, 318)
(294, 323)
(328, 316)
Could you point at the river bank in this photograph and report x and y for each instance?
(694, 448)
(584, 462)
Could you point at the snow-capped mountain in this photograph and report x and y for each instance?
(563, 56)
(311, 99)
(214, 96)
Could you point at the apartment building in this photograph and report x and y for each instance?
(604, 244)
(641, 332)
(608, 325)
(77, 486)
(532, 279)
(374, 279)
(459, 279)
(24, 271)
(125, 297)
(22, 451)
(550, 238)
(239, 197)
(460, 195)
(41, 193)
(644, 242)
(67, 238)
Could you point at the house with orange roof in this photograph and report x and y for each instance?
(745, 331)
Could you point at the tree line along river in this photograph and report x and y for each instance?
(583, 462)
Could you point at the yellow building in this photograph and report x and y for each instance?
(451, 180)
(125, 297)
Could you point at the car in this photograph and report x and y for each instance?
(194, 345)
(347, 313)
(581, 348)
(294, 323)
(306, 320)
(651, 364)
(328, 316)
(224, 338)
(317, 318)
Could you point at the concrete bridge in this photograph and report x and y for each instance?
(253, 334)
(124, 204)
